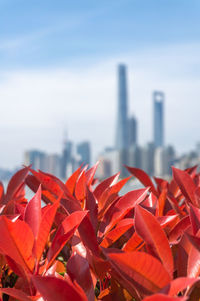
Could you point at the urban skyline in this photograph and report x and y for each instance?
(154, 157)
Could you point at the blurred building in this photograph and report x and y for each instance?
(35, 158)
(67, 157)
(135, 156)
(122, 110)
(84, 152)
(132, 131)
(53, 165)
(109, 163)
(158, 126)
(147, 158)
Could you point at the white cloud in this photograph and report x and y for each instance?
(37, 105)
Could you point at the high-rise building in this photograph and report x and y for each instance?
(122, 110)
(66, 157)
(158, 102)
(148, 158)
(83, 150)
(35, 158)
(132, 131)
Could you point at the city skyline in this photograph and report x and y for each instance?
(58, 71)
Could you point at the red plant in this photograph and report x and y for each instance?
(90, 243)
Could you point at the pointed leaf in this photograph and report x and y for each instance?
(161, 297)
(135, 242)
(145, 272)
(178, 230)
(90, 173)
(15, 183)
(143, 178)
(104, 184)
(71, 182)
(32, 215)
(80, 189)
(91, 205)
(150, 230)
(121, 208)
(119, 230)
(15, 293)
(177, 285)
(64, 233)
(45, 227)
(195, 218)
(186, 184)
(79, 270)
(52, 288)
(16, 241)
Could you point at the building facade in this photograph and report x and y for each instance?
(158, 126)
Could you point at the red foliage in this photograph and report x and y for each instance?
(90, 243)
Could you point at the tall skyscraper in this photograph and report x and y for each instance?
(158, 102)
(122, 114)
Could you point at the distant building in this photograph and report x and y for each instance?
(84, 151)
(109, 163)
(147, 160)
(53, 165)
(135, 156)
(67, 158)
(132, 131)
(35, 158)
(158, 126)
(163, 160)
(122, 110)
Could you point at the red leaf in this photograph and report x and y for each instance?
(161, 297)
(145, 272)
(80, 189)
(1, 193)
(45, 227)
(64, 233)
(79, 270)
(90, 173)
(71, 182)
(15, 293)
(16, 241)
(121, 208)
(91, 205)
(135, 242)
(195, 218)
(52, 289)
(177, 285)
(15, 183)
(109, 195)
(150, 230)
(193, 266)
(143, 178)
(32, 215)
(119, 230)
(186, 184)
(178, 230)
(52, 183)
(105, 184)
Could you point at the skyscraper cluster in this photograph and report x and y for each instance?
(155, 158)
(61, 165)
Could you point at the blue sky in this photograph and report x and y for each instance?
(58, 70)
(42, 33)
